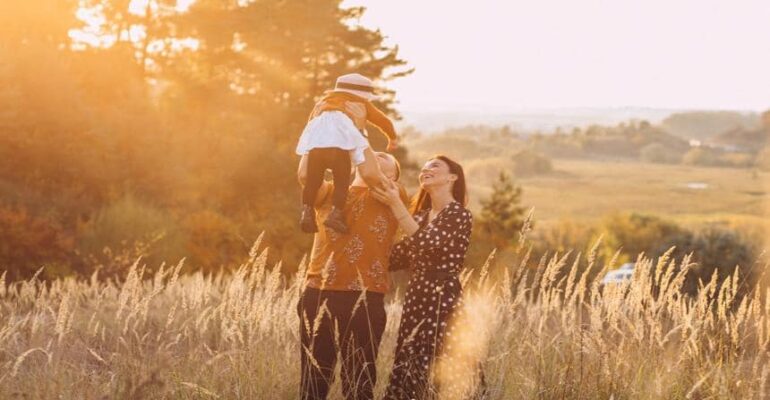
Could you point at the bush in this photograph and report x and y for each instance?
(763, 159)
(502, 215)
(637, 233)
(28, 242)
(563, 236)
(701, 156)
(528, 162)
(737, 160)
(213, 240)
(487, 170)
(714, 249)
(659, 153)
(131, 228)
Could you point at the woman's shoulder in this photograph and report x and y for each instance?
(420, 214)
(458, 208)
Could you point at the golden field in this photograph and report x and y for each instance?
(549, 333)
(589, 189)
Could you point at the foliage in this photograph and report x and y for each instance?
(703, 125)
(703, 156)
(562, 236)
(195, 114)
(29, 242)
(213, 240)
(763, 159)
(622, 141)
(528, 162)
(715, 249)
(133, 226)
(738, 160)
(502, 215)
(636, 234)
(659, 153)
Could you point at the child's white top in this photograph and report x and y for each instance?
(333, 129)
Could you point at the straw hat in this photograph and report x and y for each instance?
(356, 84)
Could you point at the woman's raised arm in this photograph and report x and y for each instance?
(391, 195)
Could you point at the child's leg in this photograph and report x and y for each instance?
(317, 163)
(340, 165)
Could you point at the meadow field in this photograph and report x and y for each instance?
(134, 132)
(548, 333)
(589, 189)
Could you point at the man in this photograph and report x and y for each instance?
(342, 309)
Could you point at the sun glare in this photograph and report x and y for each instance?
(92, 33)
(139, 7)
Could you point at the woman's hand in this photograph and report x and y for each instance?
(388, 195)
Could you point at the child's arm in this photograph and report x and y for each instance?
(383, 123)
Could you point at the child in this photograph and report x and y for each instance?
(331, 140)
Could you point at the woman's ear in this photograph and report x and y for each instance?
(453, 177)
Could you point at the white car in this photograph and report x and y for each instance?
(619, 275)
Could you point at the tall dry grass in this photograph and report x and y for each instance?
(543, 332)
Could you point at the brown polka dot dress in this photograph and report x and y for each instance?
(435, 253)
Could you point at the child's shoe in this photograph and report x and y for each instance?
(307, 221)
(336, 221)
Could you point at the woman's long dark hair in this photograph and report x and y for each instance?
(459, 192)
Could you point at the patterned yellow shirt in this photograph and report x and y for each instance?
(358, 259)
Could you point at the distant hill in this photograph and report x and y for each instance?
(532, 120)
(701, 125)
(707, 125)
(740, 139)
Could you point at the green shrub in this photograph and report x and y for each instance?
(762, 160)
(130, 228)
(638, 233)
(737, 160)
(29, 242)
(659, 153)
(701, 156)
(212, 240)
(528, 162)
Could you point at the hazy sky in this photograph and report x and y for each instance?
(503, 54)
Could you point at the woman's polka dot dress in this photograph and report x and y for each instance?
(435, 253)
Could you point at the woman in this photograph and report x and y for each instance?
(438, 232)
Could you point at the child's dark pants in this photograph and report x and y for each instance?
(318, 161)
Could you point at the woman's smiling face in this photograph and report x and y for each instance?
(435, 173)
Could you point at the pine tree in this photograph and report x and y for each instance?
(502, 215)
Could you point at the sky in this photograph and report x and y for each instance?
(531, 54)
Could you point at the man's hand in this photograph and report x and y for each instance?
(356, 111)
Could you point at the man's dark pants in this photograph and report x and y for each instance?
(359, 324)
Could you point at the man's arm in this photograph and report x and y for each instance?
(302, 170)
(370, 170)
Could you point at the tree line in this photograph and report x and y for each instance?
(164, 131)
